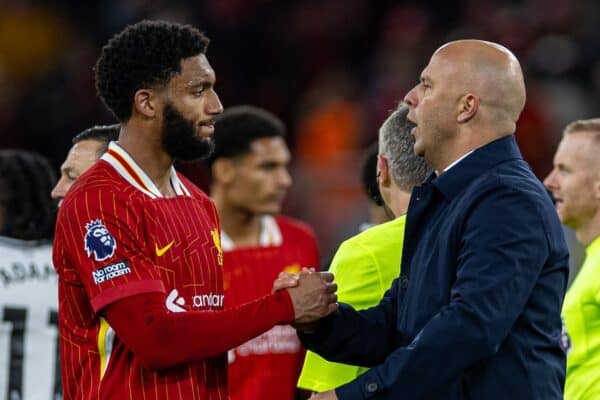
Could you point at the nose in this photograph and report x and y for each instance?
(550, 181)
(410, 98)
(214, 106)
(285, 179)
(59, 191)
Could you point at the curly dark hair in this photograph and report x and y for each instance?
(26, 180)
(144, 55)
(239, 126)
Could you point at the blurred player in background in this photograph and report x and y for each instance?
(29, 367)
(88, 146)
(366, 264)
(137, 245)
(575, 186)
(249, 180)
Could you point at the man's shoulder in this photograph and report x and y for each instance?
(391, 232)
(509, 180)
(102, 188)
(380, 241)
(101, 177)
(194, 190)
(15, 249)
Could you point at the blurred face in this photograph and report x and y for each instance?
(190, 109)
(261, 178)
(575, 180)
(79, 159)
(432, 104)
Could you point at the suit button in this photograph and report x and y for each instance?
(403, 282)
(372, 387)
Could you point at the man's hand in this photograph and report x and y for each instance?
(314, 296)
(329, 395)
(288, 280)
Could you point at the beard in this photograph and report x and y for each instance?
(180, 139)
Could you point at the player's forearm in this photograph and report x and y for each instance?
(162, 339)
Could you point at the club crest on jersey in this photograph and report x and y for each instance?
(99, 241)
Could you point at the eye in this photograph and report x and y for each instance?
(70, 176)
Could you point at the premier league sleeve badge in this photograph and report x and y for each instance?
(99, 241)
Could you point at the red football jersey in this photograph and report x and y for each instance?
(118, 236)
(268, 366)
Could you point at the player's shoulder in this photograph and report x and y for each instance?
(194, 190)
(99, 182)
(389, 233)
(292, 226)
(12, 244)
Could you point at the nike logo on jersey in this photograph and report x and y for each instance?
(162, 250)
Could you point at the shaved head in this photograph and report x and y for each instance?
(493, 74)
(470, 94)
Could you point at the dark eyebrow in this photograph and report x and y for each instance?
(197, 83)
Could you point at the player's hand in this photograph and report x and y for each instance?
(314, 297)
(329, 395)
(288, 280)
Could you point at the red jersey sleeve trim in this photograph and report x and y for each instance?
(111, 295)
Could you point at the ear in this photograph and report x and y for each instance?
(468, 106)
(383, 171)
(145, 102)
(223, 171)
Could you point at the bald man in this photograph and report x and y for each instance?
(475, 312)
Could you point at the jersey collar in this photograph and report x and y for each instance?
(122, 162)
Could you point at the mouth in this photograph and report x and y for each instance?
(412, 124)
(558, 201)
(206, 127)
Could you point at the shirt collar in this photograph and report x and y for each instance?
(454, 163)
(126, 166)
(454, 180)
(593, 247)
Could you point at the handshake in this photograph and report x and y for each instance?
(312, 293)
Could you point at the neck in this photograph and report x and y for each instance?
(464, 141)
(448, 157)
(399, 200)
(377, 214)
(143, 144)
(589, 231)
(242, 227)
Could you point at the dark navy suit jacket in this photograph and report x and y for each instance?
(475, 312)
